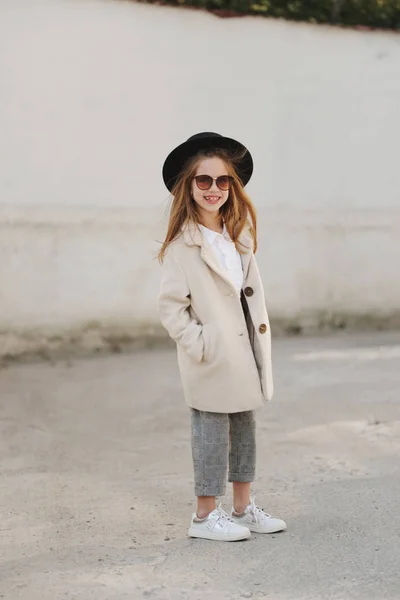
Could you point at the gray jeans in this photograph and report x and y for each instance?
(215, 436)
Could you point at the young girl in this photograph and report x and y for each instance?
(212, 304)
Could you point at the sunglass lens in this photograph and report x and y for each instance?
(224, 182)
(204, 182)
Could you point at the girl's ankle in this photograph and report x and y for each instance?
(239, 509)
(201, 517)
(205, 506)
(203, 514)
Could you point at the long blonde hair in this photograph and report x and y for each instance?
(237, 212)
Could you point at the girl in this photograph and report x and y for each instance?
(212, 304)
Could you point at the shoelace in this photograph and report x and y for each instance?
(223, 516)
(259, 513)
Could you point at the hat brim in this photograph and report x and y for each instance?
(177, 159)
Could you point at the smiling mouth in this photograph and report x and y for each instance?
(212, 199)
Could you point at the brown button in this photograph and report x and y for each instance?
(262, 328)
(248, 291)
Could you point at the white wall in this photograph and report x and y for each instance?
(94, 94)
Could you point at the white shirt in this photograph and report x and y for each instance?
(227, 255)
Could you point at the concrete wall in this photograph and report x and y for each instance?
(94, 94)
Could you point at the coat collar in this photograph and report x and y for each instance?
(193, 236)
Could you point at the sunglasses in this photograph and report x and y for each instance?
(204, 182)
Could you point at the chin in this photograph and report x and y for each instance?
(213, 208)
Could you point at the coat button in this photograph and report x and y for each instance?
(248, 291)
(262, 328)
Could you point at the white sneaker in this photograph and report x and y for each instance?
(218, 526)
(258, 521)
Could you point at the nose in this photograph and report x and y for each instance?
(214, 187)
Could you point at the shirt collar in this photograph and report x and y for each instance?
(211, 235)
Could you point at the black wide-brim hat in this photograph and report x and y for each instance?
(176, 160)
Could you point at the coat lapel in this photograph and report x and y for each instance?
(247, 244)
(208, 255)
(193, 237)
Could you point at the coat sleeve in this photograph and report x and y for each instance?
(173, 307)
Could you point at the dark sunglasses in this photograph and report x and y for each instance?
(204, 182)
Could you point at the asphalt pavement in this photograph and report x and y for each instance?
(96, 486)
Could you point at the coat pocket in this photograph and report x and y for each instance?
(209, 343)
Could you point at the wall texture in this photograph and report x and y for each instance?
(94, 94)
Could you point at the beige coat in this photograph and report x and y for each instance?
(224, 358)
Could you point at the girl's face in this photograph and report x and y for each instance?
(210, 200)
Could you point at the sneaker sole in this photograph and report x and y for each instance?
(276, 530)
(217, 537)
